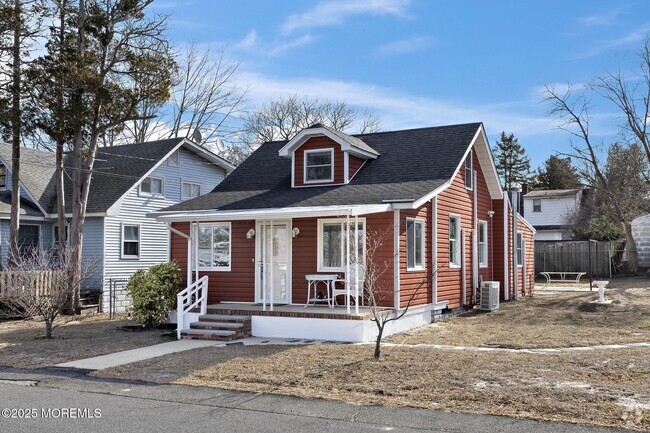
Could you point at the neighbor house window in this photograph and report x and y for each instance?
(454, 242)
(537, 205)
(214, 246)
(3, 177)
(29, 239)
(483, 244)
(55, 235)
(332, 248)
(173, 159)
(152, 186)
(130, 241)
(414, 244)
(520, 249)
(319, 165)
(469, 180)
(190, 190)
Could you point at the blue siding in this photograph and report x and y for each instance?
(93, 253)
(154, 236)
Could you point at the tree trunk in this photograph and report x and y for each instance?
(48, 328)
(14, 224)
(378, 341)
(630, 248)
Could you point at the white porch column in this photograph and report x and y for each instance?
(347, 265)
(189, 257)
(271, 265)
(262, 233)
(356, 261)
(196, 252)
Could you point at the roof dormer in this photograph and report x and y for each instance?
(321, 156)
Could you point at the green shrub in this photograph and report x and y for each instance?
(153, 293)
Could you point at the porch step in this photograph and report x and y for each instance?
(224, 318)
(225, 326)
(208, 334)
(219, 327)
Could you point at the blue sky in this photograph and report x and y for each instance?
(423, 63)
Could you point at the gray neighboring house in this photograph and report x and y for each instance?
(128, 182)
(641, 234)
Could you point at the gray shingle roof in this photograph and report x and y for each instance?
(37, 171)
(27, 208)
(552, 193)
(413, 163)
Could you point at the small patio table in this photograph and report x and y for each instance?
(312, 288)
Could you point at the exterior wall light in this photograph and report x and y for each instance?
(250, 234)
(295, 232)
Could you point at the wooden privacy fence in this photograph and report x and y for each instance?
(13, 282)
(574, 256)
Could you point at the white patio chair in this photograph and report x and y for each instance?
(357, 296)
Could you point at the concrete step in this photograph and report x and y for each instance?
(226, 326)
(209, 334)
(224, 318)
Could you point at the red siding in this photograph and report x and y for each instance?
(354, 164)
(458, 200)
(416, 285)
(313, 144)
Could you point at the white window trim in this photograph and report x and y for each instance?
(458, 241)
(520, 246)
(469, 158)
(319, 243)
(149, 194)
(481, 224)
(189, 182)
(125, 256)
(196, 255)
(304, 166)
(423, 266)
(177, 153)
(4, 187)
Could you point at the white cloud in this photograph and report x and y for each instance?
(398, 110)
(250, 40)
(405, 46)
(334, 12)
(634, 36)
(281, 47)
(602, 19)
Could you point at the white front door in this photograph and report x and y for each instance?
(273, 258)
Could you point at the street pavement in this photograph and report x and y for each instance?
(68, 400)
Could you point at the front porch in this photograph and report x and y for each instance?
(293, 310)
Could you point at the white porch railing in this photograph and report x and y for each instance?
(193, 296)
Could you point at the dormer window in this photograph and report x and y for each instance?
(319, 166)
(3, 177)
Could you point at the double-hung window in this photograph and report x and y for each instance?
(520, 249)
(319, 165)
(537, 205)
(454, 240)
(55, 235)
(3, 177)
(469, 174)
(332, 248)
(130, 241)
(173, 158)
(190, 190)
(152, 186)
(414, 244)
(214, 248)
(483, 244)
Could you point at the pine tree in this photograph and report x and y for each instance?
(557, 173)
(512, 163)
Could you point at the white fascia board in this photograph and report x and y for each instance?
(274, 213)
(210, 156)
(526, 223)
(22, 185)
(306, 134)
(493, 182)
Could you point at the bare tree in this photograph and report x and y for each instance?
(39, 287)
(281, 119)
(378, 289)
(573, 109)
(631, 95)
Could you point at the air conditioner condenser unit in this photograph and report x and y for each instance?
(490, 295)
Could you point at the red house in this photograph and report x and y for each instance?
(268, 251)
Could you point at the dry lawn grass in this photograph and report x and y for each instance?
(561, 319)
(604, 387)
(22, 343)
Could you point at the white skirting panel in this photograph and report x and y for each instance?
(355, 331)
